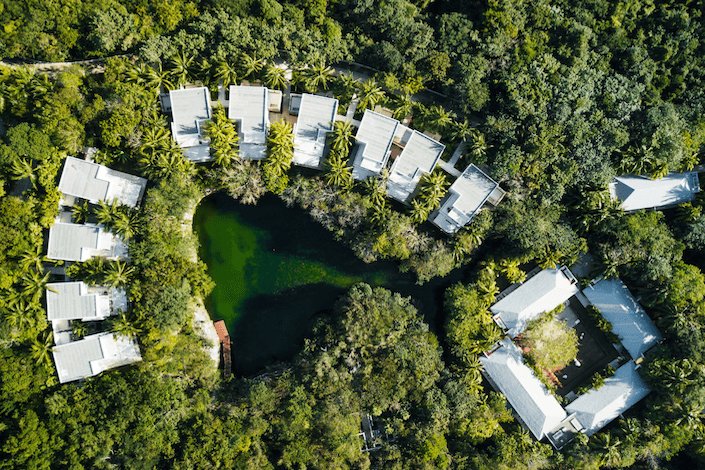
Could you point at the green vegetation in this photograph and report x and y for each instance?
(549, 343)
(553, 98)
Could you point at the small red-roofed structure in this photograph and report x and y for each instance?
(224, 338)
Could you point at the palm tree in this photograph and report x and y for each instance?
(404, 106)
(434, 185)
(78, 329)
(20, 312)
(250, 65)
(370, 95)
(33, 260)
(510, 268)
(688, 213)
(155, 137)
(125, 224)
(275, 77)
(318, 76)
(342, 136)
(339, 173)
(473, 375)
(376, 187)
(124, 325)
(22, 168)
(686, 165)
(419, 211)
(659, 170)
(182, 68)
(106, 213)
(137, 73)
(478, 146)
(41, 349)
(205, 71)
(608, 446)
(118, 274)
(159, 79)
(462, 130)
(438, 118)
(226, 74)
(610, 267)
(344, 86)
(80, 213)
(34, 285)
(280, 145)
(223, 136)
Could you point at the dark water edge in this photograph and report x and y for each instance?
(277, 271)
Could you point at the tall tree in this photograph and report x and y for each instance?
(370, 95)
(41, 349)
(275, 77)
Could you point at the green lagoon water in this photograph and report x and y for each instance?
(276, 271)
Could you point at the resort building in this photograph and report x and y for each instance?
(315, 121)
(94, 354)
(87, 180)
(465, 199)
(597, 408)
(641, 192)
(535, 406)
(190, 109)
(78, 301)
(629, 320)
(248, 106)
(419, 157)
(541, 293)
(75, 242)
(374, 142)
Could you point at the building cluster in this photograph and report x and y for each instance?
(536, 407)
(382, 143)
(69, 302)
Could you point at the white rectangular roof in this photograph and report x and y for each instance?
(315, 120)
(190, 108)
(94, 182)
(538, 409)
(92, 355)
(542, 293)
(641, 192)
(375, 137)
(597, 408)
(75, 242)
(419, 157)
(465, 198)
(629, 321)
(72, 301)
(248, 105)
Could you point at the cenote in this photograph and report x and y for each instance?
(276, 271)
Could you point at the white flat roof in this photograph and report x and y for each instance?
(92, 355)
(75, 242)
(419, 157)
(190, 108)
(374, 137)
(629, 321)
(465, 198)
(72, 301)
(315, 120)
(640, 192)
(598, 408)
(249, 106)
(538, 409)
(542, 293)
(94, 182)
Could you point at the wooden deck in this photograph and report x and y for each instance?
(226, 351)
